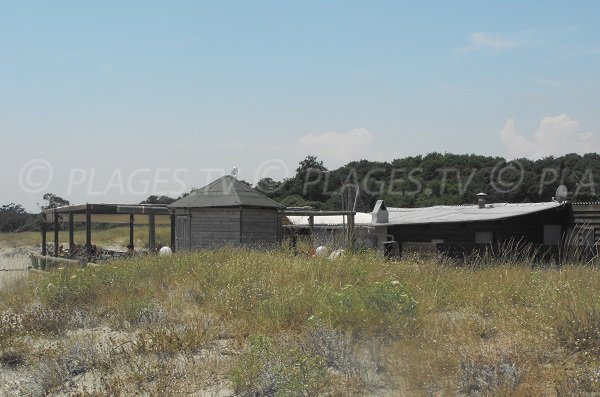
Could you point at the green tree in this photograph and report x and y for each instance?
(54, 201)
(158, 200)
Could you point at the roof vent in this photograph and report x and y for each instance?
(380, 213)
(481, 199)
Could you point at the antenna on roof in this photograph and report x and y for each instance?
(234, 172)
(355, 199)
(561, 193)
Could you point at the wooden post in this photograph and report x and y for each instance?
(173, 230)
(131, 227)
(311, 225)
(56, 228)
(71, 231)
(151, 231)
(88, 231)
(294, 239)
(43, 234)
(279, 236)
(350, 230)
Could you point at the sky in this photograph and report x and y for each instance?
(113, 101)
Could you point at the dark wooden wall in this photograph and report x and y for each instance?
(527, 228)
(585, 215)
(259, 226)
(182, 232)
(212, 227)
(216, 227)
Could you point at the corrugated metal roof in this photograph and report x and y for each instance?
(464, 213)
(360, 219)
(225, 192)
(435, 214)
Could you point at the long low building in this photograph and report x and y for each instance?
(547, 224)
(540, 223)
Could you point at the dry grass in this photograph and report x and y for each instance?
(270, 323)
(117, 236)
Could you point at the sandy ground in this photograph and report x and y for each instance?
(14, 263)
(33, 379)
(46, 375)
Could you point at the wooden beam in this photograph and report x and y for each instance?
(44, 263)
(317, 213)
(43, 234)
(151, 232)
(71, 231)
(56, 229)
(121, 219)
(173, 230)
(72, 208)
(294, 239)
(350, 230)
(311, 225)
(279, 229)
(110, 209)
(88, 231)
(131, 230)
(142, 209)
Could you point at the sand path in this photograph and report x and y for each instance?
(14, 264)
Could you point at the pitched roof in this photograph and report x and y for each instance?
(464, 213)
(225, 192)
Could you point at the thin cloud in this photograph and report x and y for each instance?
(338, 147)
(557, 135)
(486, 41)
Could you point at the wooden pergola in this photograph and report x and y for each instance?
(141, 214)
(311, 221)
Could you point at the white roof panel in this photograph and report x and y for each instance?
(464, 213)
(435, 214)
(361, 218)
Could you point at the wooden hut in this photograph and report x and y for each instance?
(532, 229)
(536, 223)
(226, 212)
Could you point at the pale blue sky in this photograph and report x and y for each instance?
(105, 86)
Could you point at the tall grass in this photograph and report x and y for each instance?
(300, 325)
(268, 291)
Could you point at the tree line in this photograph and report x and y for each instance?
(435, 179)
(418, 181)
